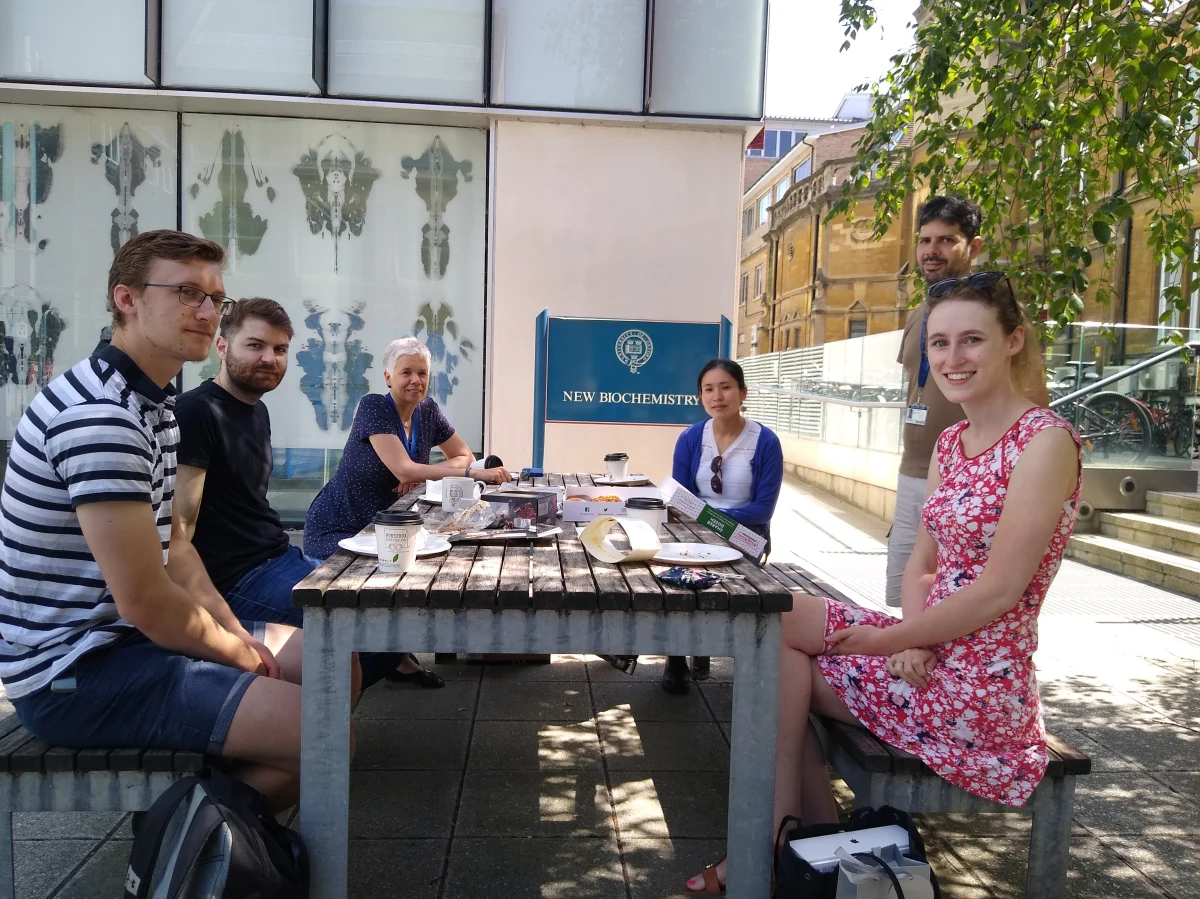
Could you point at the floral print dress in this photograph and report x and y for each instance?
(979, 722)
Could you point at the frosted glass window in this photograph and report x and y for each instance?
(64, 40)
(264, 45)
(569, 54)
(75, 184)
(708, 57)
(407, 49)
(365, 233)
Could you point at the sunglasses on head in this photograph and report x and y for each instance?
(984, 281)
(716, 482)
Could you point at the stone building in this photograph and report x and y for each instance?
(820, 281)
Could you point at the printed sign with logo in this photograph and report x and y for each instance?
(626, 372)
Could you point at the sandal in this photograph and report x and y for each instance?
(712, 883)
(423, 678)
(624, 664)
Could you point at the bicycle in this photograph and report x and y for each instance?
(1109, 425)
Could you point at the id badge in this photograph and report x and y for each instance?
(916, 414)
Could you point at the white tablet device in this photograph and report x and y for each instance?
(820, 852)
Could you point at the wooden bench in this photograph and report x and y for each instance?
(38, 777)
(879, 774)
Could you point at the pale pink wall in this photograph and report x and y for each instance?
(608, 222)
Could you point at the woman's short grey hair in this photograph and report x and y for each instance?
(405, 346)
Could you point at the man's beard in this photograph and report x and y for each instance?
(243, 377)
(946, 273)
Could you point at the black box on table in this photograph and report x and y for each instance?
(523, 508)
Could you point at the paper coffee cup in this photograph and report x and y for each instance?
(648, 509)
(617, 465)
(396, 537)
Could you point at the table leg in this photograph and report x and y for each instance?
(752, 755)
(325, 748)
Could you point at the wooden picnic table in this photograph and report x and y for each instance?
(549, 596)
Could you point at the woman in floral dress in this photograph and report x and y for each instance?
(953, 681)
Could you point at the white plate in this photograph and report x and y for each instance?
(696, 554)
(364, 544)
(634, 480)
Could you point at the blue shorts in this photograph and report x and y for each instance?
(264, 593)
(134, 693)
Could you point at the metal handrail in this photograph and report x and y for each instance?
(819, 397)
(1125, 373)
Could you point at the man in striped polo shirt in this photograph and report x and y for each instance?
(109, 634)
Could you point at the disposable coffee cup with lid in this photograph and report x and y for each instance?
(649, 509)
(617, 465)
(396, 538)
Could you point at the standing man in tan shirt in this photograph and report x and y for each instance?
(948, 242)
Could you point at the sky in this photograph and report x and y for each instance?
(806, 75)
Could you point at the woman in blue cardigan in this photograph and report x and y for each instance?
(732, 463)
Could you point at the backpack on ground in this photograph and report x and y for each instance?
(213, 837)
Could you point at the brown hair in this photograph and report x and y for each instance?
(256, 307)
(131, 265)
(998, 296)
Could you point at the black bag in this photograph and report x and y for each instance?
(797, 879)
(213, 837)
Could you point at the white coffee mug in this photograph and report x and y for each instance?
(459, 492)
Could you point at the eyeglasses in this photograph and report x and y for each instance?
(985, 281)
(195, 297)
(716, 478)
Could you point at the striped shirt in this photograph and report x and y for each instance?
(100, 432)
(737, 472)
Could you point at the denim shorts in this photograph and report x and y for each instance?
(134, 693)
(264, 593)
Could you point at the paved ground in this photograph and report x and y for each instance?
(573, 780)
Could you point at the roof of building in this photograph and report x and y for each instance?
(829, 145)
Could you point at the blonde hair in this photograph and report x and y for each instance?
(405, 346)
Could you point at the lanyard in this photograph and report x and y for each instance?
(923, 374)
(410, 442)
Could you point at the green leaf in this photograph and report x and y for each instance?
(396, 558)
(1102, 231)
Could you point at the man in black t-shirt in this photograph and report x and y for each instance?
(224, 468)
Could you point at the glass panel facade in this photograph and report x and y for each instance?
(708, 57)
(365, 233)
(407, 49)
(569, 54)
(265, 45)
(75, 184)
(61, 40)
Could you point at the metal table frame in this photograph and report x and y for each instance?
(752, 639)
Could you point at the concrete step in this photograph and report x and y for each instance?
(1175, 506)
(1151, 566)
(1152, 532)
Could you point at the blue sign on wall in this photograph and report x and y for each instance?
(626, 372)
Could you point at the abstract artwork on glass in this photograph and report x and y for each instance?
(233, 222)
(336, 178)
(438, 331)
(126, 159)
(28, 152)
(59, 227)
(435, 173)
(335, 365)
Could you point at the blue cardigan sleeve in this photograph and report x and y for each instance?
(687, 457)
(768, 479)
